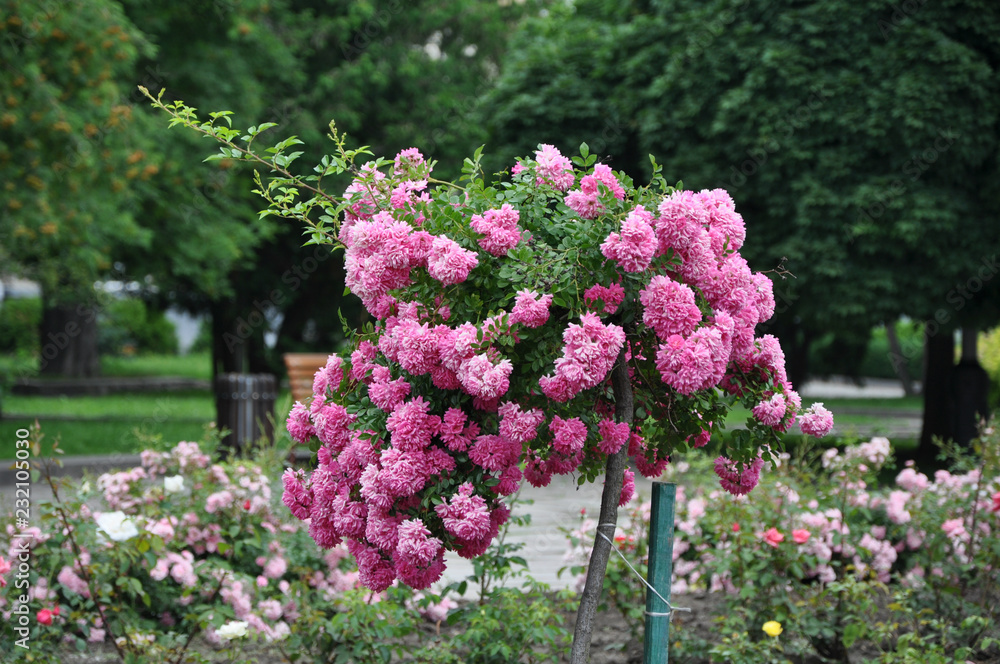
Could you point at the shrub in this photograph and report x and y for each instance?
(130, 325)
(19, 321)
(834, 558)
(147, 558)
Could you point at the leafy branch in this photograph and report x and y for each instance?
(284, 191)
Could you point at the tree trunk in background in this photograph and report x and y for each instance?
(228, 347)
(969, 390)
(613, 479)
(795, 342)
(238, 339)
(68, 334)
(899, 361)
(939, 358)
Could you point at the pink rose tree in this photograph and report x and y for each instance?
(554, 321)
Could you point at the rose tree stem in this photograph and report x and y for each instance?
(614, 476)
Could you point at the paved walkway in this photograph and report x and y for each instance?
(840, 387)
(556, 508)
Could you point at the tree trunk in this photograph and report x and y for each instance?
(969, 390)
(900, 362)
(795, 341)
(228, 346)
(613, 480)
(238, 337)
(68, 334)
(939, 358)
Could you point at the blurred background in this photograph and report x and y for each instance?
(859, 140)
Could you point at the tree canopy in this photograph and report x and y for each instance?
(70, 149)
(858, 139)
(100, 189)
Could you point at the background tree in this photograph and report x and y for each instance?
(394, 75)
(135, 203)
(70, 154)
(859, 141)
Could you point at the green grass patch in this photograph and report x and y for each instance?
(193, 365)
(159, 405)
(119, 423)
(80, 437)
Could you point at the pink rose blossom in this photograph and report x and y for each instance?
(735, 479)
(530, 309)
(611, 296)
(816, 421)
(635, 245)
(553, 168)
(669, 307)
(448, 262)
(499, 229)
(773, 538)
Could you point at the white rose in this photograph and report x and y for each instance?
(173, 484)
(117, 526)
(233, 629)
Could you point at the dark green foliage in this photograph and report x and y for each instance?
(859, 141)
(129, 326)
(19, 325)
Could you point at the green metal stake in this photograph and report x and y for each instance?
(661, 567)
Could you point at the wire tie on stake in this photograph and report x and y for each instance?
(670, 607)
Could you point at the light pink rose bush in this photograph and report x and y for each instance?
(220, 548)
(821, 528)
(499, 311)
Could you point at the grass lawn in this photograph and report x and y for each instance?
(86, 437)
(194, 365)
(117, 423)
(162, 405)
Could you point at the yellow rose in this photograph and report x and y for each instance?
(772, 628)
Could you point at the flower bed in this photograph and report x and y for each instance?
(146, 558)
(838, 562)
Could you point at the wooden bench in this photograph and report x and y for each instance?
(302, 368)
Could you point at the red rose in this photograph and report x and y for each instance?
(45, 617)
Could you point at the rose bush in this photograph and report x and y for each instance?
(145, 558)
(552, 320)
(823, 549)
